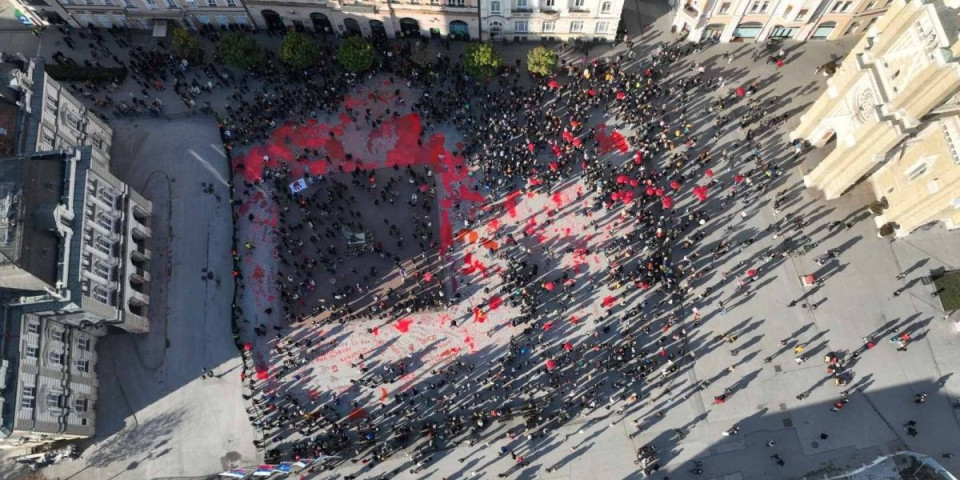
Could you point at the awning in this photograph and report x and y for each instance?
(159, 28)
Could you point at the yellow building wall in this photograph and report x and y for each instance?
(912, 203)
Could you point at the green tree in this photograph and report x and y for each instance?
(356, 55)
(187, 45)
(542, 61)
(240, 50)
(481, 60)
(298, 50)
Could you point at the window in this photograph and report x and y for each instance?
(56, 400)
(108, 2)
(520, 26)
(56, 357)
(870, 6)
(549, 26)
(151, 4)
(231, 3)
(919, 169)
(83, 344)
(754, 7)
(212, 3)
(103, 270)
(494, 7)
(521, 3)
(802, 14)
(846, 6)
(601, 27)
(724, 8)
(104, 245)
(550, 3)
(129, 4)
(576, 26)
(81, 405)
(787, 10)
(32, 351)
(60, 335)
(605, 7)
(83, 366)
(89, 2)
(764, 6)
(28, 397)
(33, 327)
(578, 3)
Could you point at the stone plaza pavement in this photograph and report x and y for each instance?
(156, 419)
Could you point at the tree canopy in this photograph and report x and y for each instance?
(356, 55)
(542, 61)
(186, 45)
(481, 60)
(298, 50)
(240, 50)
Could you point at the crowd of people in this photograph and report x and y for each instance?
(699, 153)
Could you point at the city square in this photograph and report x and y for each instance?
(431, 277)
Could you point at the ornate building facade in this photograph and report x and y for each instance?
(891, 117)
(757, 20)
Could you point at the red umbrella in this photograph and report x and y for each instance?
(262, 374)
(708, 173)
(427, 277)
(248, 346)
(568, 346)
(551, 364)
(651, 190)
(738, 178)
(667, 202)
(741, 92)
(547, 326)
(638, 158)
(592, 92)
(554, 166)
(659, 191)
(751, 272)
(553, 84)
(424, 187)
(549, 286)
(530, 147)
(674, 184)
(621, 95)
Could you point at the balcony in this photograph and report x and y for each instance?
(141, 254)
(172, 13)
(138, 299)
(578, 12)
(140, 231)
(139, 276)
(549, 12)
(358, 8)
(522, 11)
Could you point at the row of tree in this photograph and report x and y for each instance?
(480, 60)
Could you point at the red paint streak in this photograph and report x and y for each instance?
(608, 302)
(384, 395)
(511, 204)
(403, 325)
(375, 331)
(574, 319)
(493, 225)
(557, 199)
(609, 143)
(449, 351)
(495, 302)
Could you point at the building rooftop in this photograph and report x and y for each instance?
(30, 189)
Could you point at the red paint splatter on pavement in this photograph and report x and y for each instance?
(384, 395)
(574, 319)
(375, 331)
(511, 204)
(557, 199)
(449, 351)
(608, 301)
(478, 315)
(611, 142)
(495, 302)
(493, 225)
(258, 273)
(403, 325)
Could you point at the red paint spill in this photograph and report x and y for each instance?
(511, 204)
(608, 302)
(403, 325)
(384, 395)
(375, 331)
(478, 315)
(495, 302)
(557, 199)
(258, 273)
